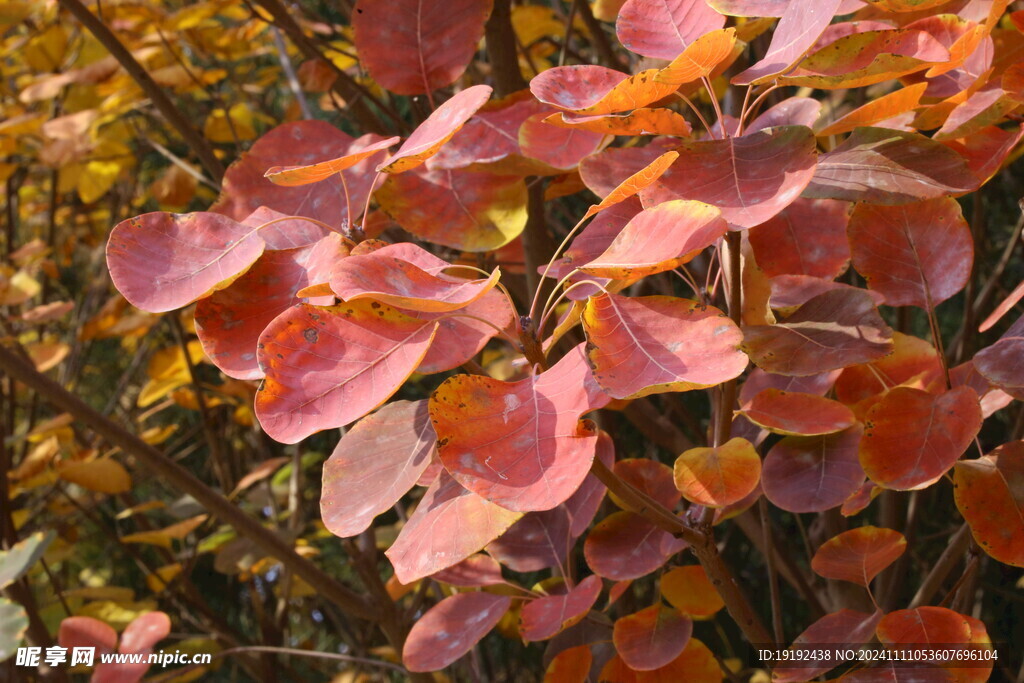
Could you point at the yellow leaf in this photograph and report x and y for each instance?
(103, 475)
(117, 614)
(157, 435)
(218, 128)
(113, 593)
(174, 188)
(138, 509)
(18, 289)
(163, 537)
(48, 354)
(46, 51)
(96, 179)
(159, 580)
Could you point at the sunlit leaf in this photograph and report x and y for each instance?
(664, 28)
(642, 121)
(794, 413)
(592, 89)
(437, 129)
(880, 109)
(649, 476)
(542, 451)
(808, 237)
(449, 524)
(635, 349)
(290, 176)
(750, 178)
(720, 476)
(700, 58)
(458, 209)
(795, 34)
(328, 366)
(374, 465)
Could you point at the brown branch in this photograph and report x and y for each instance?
(176, 476)
(501, 49)
(950, 557)
(154, 92)
(701, 542)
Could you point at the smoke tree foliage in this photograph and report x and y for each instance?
(595, 326)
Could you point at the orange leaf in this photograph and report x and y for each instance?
(717, 477)
(689, 590)
(884, 107)
(858, 555)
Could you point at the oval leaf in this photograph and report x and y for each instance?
(625, 546)
(845, 629)
(721, 476)
(912, 437)
(544, 618)
(689, 590)
(750, 178)
(652, 637)
(664, 28)
(787, 412)
(451, 628)
(644, 345)
(813, 474)
(162, 261)
(915, 254)
(989, 493)
(374, 465)
(328, 366)
(520, 444)
(858, 555)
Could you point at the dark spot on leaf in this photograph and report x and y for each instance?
(310, 333)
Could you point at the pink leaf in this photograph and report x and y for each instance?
(474, 571)
(808, 237)
(545, 617)
(663, 28)
(652, 637)
(162, 261)
(813, 474)
(795, 34)
(451, 628)
(374, 465)
(625, 545)
(449, 524)
(750, 178)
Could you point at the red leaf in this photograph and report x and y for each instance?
(720, 476)
(986, 150)
(941, 628)
(281, 232)
(298, 143)
(544, 539)
(451, 628)
(794, 111)
(750, 178)
(412, 47)
(759, 380)
(833, 330)
(696, 664)
(911, 358)
(787, 412)
(989, 493)
(924, 626)
(458, 209)
(460, 338)
(374, 465)
(570, 666)
(916, 254)
(651, 477)
(558, 147)
(328, 366)
(449, 524)
(162, 261)
(858, 555)
(635, 182)
(885, 166)
(491, 136)
(292, 176)
(664, 28)
(86, 632)
(625, 545)
(1000, 363)
(813, 474)
(439, 127)
(474, 571)
(635, 349)
(790, 291)
(652, 637)
(520, 444)
(912, 437)
(844, 629)
(603, 172)
(659, 239)
(592, 89)
(544, 618)
(385, 276)
(230, 321)
(808, 237)
(794, 35)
